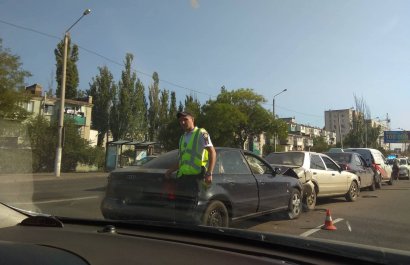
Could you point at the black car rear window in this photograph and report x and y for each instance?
(288, 158)
(340, 157)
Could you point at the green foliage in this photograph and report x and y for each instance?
(237, 115)
(12, 86)
(101, 89)
(222, 121)
(43, 138)
(320, 145)
(139, 129)
(121, 119)
(72, 78)
(154, 108)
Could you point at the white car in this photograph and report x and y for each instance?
(328, 178)
(404, 169)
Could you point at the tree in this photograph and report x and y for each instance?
(139, 128)
(153, 110)
(362, 135)
(192, 105)
(319, 145)
(170, 130)
(72, 79)
(122, 123)
(12, 86)
(240, 117)
(101, 90)
(43, 138)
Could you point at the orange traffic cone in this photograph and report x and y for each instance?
(329, 222)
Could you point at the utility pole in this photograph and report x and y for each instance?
(59, 151)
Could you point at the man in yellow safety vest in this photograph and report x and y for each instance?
(196, 163)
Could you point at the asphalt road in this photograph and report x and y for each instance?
(378, 218)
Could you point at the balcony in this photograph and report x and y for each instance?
(78, 120)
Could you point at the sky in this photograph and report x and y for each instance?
(325, 53)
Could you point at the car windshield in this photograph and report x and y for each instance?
(289, 158)
(112, 111)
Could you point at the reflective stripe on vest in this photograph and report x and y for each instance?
(191, 160)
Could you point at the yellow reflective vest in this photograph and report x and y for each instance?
(192, 156)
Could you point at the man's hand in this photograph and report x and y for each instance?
(208, 178)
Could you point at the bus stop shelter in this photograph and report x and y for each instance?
(114, 157)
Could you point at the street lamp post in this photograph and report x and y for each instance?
(273, 101)
(273, 111)
(59, 151)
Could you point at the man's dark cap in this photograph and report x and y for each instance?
(184, 114)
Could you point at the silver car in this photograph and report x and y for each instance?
(328, 179)
(404, 167)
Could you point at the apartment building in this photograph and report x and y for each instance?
(340, 122)
(300, 136)
(79, 110)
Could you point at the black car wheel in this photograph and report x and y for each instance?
(372, 187)
(295, 204)
(353, 192)
(309, 202)
(216, 215)
(378, 179)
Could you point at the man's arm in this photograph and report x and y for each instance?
(211, 163)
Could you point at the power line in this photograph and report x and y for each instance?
(30, 29)
(104, 57)
(297, 112)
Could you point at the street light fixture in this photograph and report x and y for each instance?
(273, 110)
(273, 102)
(57, 165)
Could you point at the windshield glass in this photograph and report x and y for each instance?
(149, 110)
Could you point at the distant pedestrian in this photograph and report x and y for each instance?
(396, 168)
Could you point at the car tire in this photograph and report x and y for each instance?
(216, 215)
(295, 204)
(378, 181)
(353, 192)
(309, 203)
(372, 187)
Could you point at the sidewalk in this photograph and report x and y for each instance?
(9, 178)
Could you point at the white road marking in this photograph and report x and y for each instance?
(314, 230)
(54, 201)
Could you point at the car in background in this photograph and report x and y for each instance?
(328, 178)
(404, 167)
(354, 163)
(243, 186)
(294, 162)
(375, 159)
